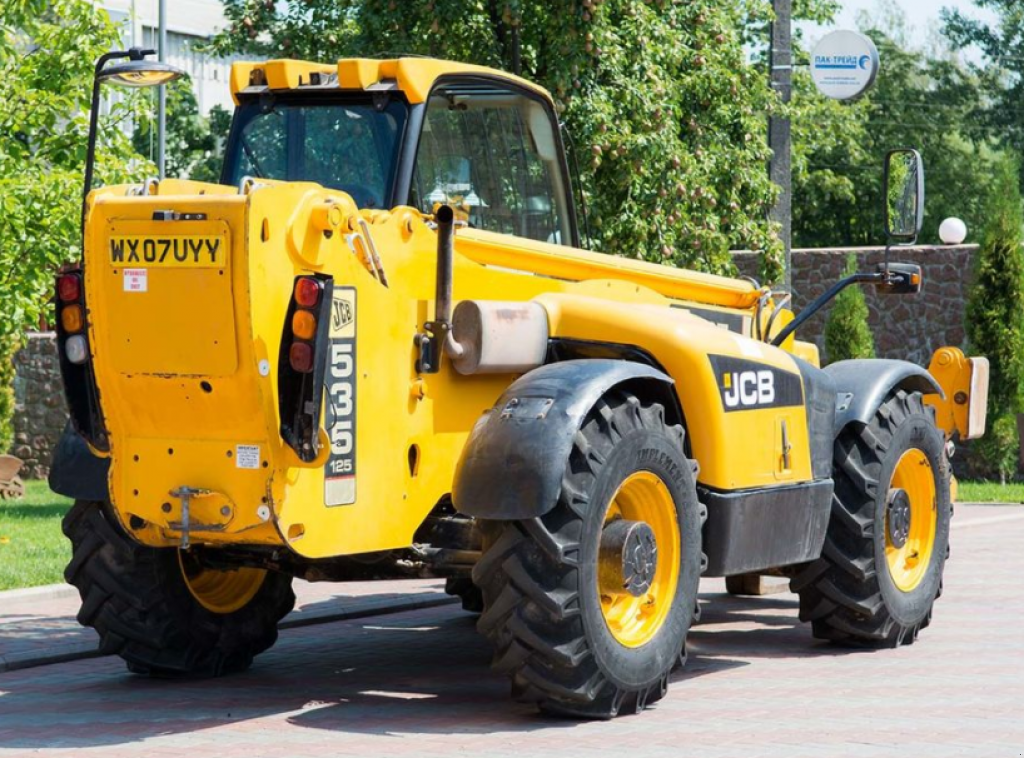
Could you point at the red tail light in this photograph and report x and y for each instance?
(300, 356)
(69, 288)
(302, 363)
(307, 292)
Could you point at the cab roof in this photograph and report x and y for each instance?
(413, 76)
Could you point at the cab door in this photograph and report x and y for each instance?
(493, 152)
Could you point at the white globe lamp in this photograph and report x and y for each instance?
(952, 231)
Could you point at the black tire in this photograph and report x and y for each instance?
(463, 588)
(136, 598)
(849, 594)
(542, 610)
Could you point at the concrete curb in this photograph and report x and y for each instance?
(364, 608)
(46, 592)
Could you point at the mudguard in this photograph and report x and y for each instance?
(75, 472)
(512, 465)
(862, 385)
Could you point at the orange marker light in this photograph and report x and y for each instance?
(71, 318)
(307, 292)
(303, 325)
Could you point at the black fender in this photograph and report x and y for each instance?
(862, 386)
(75, 472)
(513, 462)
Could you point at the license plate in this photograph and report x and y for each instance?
(186, 251)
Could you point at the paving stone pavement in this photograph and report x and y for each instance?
(417, 684)
(41, 628)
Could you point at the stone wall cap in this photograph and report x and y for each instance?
(872, 249)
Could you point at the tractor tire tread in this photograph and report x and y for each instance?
(532, 610)
(126, 598)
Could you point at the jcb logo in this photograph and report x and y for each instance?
(341, 314)
(747, 385)
(748, 388)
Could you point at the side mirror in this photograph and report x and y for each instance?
(904, 195)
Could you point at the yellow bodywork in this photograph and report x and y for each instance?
(185, 346)
(964, 406)
(180, 378)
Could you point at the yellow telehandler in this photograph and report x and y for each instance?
(377, 347)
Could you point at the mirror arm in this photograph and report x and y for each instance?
(822, 300)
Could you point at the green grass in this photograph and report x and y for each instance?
(33, 550)
(991, 492)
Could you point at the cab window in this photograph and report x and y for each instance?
(490, 152)
(350, 146)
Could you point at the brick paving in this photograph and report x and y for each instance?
(42, 628)
(417, 684)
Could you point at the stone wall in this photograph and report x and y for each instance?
(39, 410)
(910, 327)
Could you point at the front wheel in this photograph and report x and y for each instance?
(881, 568)
(162, 611)
(588, 606)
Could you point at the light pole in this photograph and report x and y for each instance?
(161, 109)
(780, 170)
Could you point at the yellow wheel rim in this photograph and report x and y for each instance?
(220, 591)
(634, 620)
(911, 520)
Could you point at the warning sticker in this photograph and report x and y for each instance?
(340, 469)
(136, 280)
(247, 456)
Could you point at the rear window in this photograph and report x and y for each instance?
(351, 147)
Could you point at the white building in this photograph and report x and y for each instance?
(189, 23)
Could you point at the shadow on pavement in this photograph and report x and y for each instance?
(420, 672)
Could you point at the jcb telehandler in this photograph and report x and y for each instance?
(376, 348)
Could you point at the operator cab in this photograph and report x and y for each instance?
(484, 144)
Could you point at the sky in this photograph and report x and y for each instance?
(923, 16)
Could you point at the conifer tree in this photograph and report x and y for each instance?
(995, 316)
(847, 334)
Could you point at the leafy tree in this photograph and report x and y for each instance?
(1001, 73)
(995, 315)
(830, 149)
(190, 141)
(7, 350)
(207, 168)
(929, 102)
(47, 52)
(667, 116)
(847, 334)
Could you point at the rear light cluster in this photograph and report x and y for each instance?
(71, 316)
(302, 363)
(76, 369)
(307, 296)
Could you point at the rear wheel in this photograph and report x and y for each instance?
(588, 606)
(161, 610)
(881, 568)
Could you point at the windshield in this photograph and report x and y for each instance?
(349, 146)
